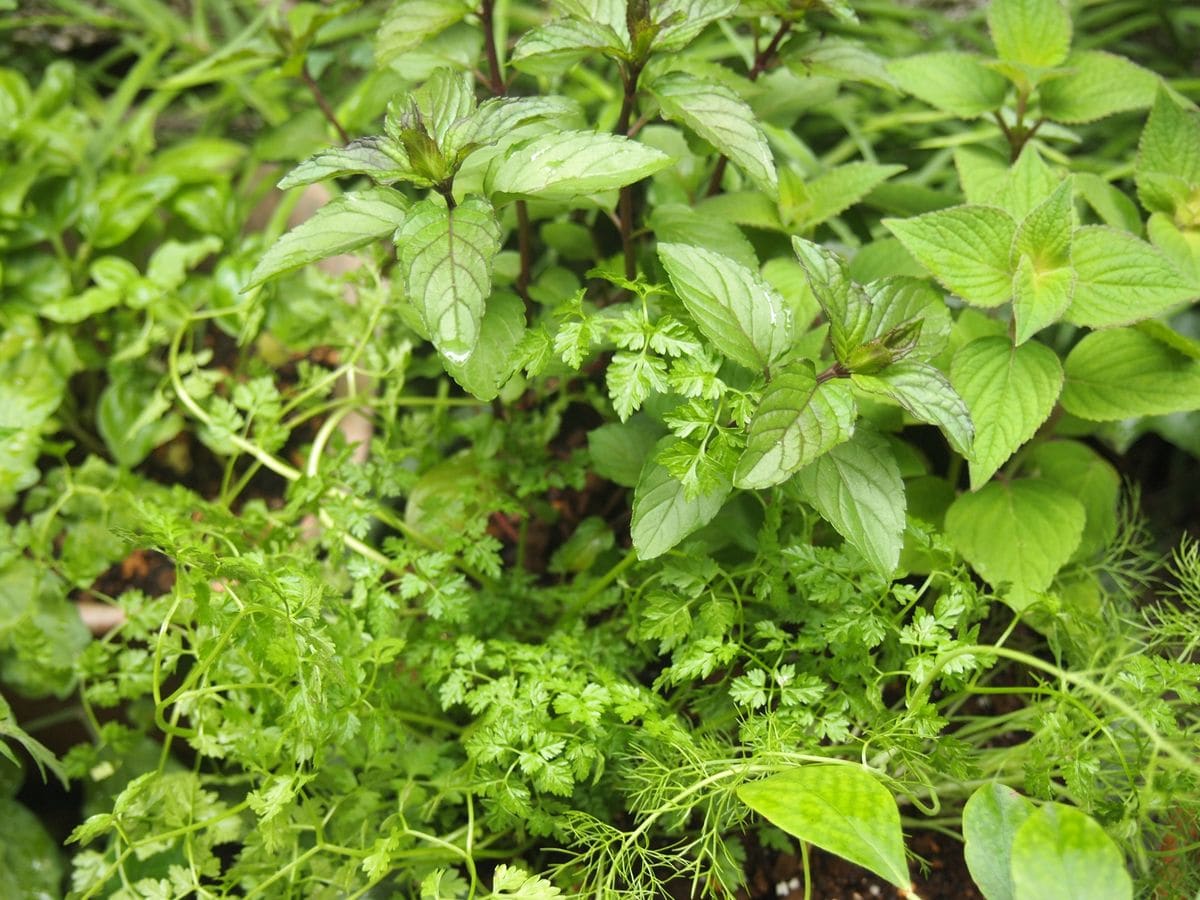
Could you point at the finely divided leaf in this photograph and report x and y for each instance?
(343, 224)
(1123, 373)
(928, 396)
(446, 256)
(1122, 279)
(662, 513)
(362, 157)
(1096, 85)
(1010, 391)
(721, 117)
(733, 306)
(1016, 533)
(410, 23)
(966, 248)
(857, 487)
(571, 164)
(797, 420)
(956, 82)
(842, 809)
(1030, 32)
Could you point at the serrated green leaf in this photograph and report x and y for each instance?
(1061, 852)
(1044, 283)
(721, 117)
(364, 156)
(1123, 373)
(843, 60)
(1169, 146)
(1096, 85)
(570, 164)
(551, 48)
(982, 173)
(1017, 533)
(966, 248)
(410, 23)
(733, 306)
(928, 396)
(836, 190)
(957, 83)
(678, 224)
(797, 420)
(1010, 391)
(663, 515)
(495, 359)
(1112, 206)
(857, 488)
(1122, 279)
(1088, 477)
(990, 820)
(841, 809)
(897, 299)
(619, 450)
(1030, 32)
(446, 256)
(495, 119)
(680, 21)
(446, 101)
(1026, 185)
(343, 224)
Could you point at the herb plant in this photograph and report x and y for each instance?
(681, 432)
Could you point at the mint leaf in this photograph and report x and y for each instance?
(928, 396)
(1026, 185)
(619, 449)
(957, 83)
(663, 515)
(966, 248)
(365, 156)
(797, 420)
(836, 190)
(446, 256)
(1010, 391)
(1123, 373)
(681, 21)
(841, 809)
(1122, 279)
(410, 23)
(1016, 533)
(343, 224)
(551, 48)
(675, 223)
(721, 117)
(495, 358)
(1169, 146)
(897, 299)
(1030, 32)
(1096, 85)
(1088, 477)
(983, 173)
(495, 119)
(569, 164)
(1109, 203)
(842, 60)
(857, 488)
(733, 306)
(1044, 282)
(990, 818)
(1062, 852)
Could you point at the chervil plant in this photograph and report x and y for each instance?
(638, 439)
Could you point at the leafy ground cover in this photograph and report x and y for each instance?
(599, 449)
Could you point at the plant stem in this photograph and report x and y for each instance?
(323, 103)
(762, 59)
(498, 88)
(625, 203)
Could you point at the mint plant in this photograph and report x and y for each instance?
(744, 393)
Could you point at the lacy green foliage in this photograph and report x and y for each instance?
(742, 429)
